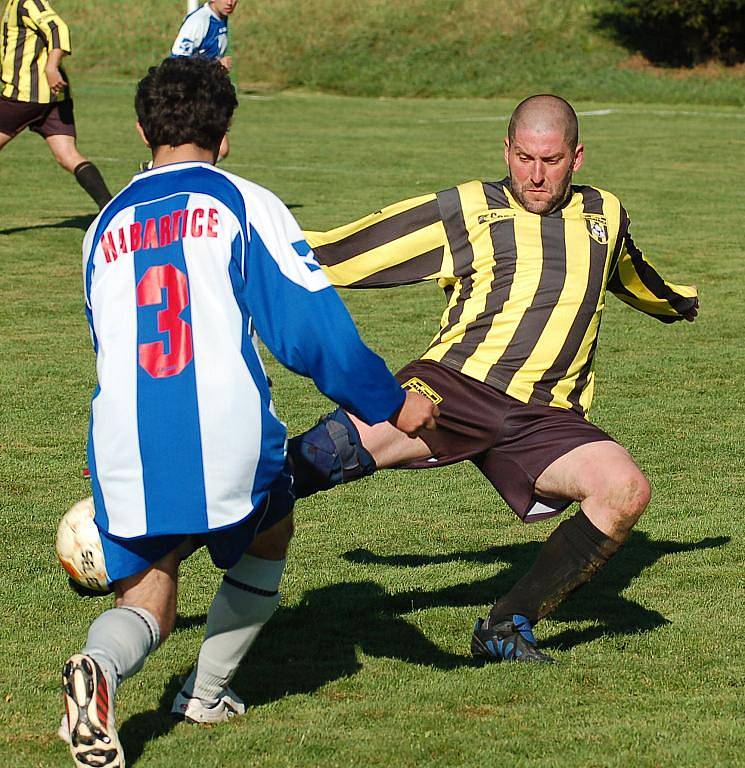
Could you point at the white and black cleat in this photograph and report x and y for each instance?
(91, 735)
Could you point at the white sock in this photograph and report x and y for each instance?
(242, 605)
(120, 640)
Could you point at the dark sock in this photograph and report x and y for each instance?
(90, 179)
(571, 556)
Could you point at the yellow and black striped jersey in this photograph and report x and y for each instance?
(29, 30)
(525, 292)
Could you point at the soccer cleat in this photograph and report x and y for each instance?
(145, 165)
(508, 640)
(195, 710)
(91, 734)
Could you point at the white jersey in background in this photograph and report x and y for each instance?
(181, 270)
(203, 33)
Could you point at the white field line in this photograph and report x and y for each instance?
(597, 113)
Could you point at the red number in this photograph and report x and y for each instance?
(149, 291)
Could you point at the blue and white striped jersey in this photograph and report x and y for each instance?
(203, 33)
(182, 269)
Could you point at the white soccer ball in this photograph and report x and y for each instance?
(79, 547)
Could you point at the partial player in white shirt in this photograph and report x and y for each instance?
(182, 270)
(204, 33)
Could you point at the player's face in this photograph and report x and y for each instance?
(541, 167)
(224, 7)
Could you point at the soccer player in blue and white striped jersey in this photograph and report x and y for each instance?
(182, 270)
(204, 33)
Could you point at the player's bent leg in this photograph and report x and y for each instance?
(4, 139)
(65, 151)
(340, 448)
(245, 601)
(606, 481)
(613, 494)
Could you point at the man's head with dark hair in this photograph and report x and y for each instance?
(542, 151)
(185, 101)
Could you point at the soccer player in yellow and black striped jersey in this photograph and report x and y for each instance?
(525, 264)
(34, 92)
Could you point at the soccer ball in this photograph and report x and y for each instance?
(79, 547)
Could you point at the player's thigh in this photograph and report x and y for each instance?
(389, 446)
(602, 469)
(4, 139)
(273, 543)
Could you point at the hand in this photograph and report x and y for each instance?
(227, 62)
(417, 413)
(54, 78)
(691, 314)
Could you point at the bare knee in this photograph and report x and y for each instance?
(623, 501)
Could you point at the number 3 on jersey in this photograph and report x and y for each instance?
(152, 355)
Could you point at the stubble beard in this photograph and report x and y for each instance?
(543, 207)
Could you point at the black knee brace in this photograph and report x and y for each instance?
(328, 454)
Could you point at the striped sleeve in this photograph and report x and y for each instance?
(49, 24)
(401, 244)
(636, 282)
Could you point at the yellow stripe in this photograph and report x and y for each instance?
(316, 239)
(385, 256)
(554, 335)
(524, 286)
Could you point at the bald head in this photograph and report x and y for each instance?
(545, 114)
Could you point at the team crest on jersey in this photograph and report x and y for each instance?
(417, 385)
(597, 226)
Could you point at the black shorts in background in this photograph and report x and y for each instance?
(511, 442)
(54, 119)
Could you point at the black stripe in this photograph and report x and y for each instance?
(247, 587)
(451, 213)
(153, 638)
(40, 6)
(407, 272)
(653, 282)
(495, 194)
(503, 275)
(375, 235)
(593, 203)
(18, 59)
(581, 383)
(536, 316)
(54, 29)
(34, 69)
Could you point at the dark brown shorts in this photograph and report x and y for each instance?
(55, 119)
(509, 441)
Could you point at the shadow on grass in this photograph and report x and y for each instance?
(306, 646)
(74, 222)
(599, 601)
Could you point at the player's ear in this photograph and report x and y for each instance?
(506, 149)
(142, 134)
(579, 157)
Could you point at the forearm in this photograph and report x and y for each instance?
(54, 59)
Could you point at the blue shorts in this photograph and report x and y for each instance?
(127, 557)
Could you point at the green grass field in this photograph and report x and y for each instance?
(366, 662)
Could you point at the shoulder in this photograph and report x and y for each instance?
(591, 193)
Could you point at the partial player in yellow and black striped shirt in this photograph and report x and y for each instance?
(525, 264)
(34, 90)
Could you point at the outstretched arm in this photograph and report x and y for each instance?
(401, 244)
(636, 282)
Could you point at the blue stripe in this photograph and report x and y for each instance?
(102, 517)
(273, 432)
(167, 407)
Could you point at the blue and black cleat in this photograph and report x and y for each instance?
(508, 640)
